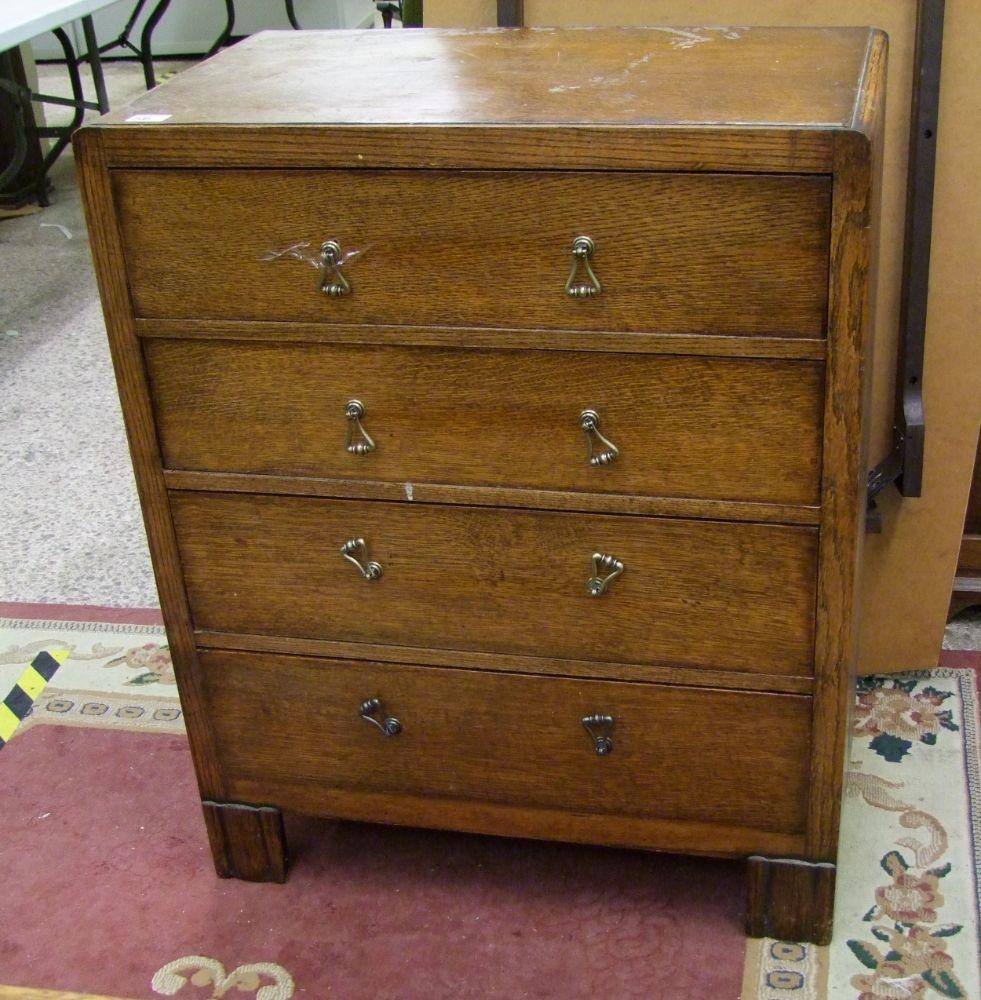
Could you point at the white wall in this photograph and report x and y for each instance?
(193, 25)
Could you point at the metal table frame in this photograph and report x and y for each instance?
(144, 51)
(22, 97)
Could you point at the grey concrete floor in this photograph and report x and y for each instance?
(964, 631)
(72, 531)
(71, 526)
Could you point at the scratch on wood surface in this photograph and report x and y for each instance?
(682, 38)
(686, 38)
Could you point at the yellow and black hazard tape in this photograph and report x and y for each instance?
(16, 706)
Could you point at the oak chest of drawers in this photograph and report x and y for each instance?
(496, 404)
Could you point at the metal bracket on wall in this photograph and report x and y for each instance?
(510, 13)
(904, 463)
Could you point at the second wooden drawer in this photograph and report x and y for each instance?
(711, 428)
(498, 580)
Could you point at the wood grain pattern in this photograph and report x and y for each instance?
(736, 149)
(685, 427)
(698, 345)
(623, 77)
(969, 560)
(845, 465)
(648, 673)
(725, 596)
(790, 900)
(698, 254)
(108, 256)
(500, 819)
(966, 592)
(247, 842)
(508, 739)
(493, 496)
(729, 184)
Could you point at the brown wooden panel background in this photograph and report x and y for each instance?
(909, 568)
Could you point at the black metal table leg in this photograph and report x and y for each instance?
(123, 40)
(62, 134)
(291, 15)
(95, 63)
(227, 32)
(146, 42)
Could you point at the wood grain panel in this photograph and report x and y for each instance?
(681, 253)
(791, 900)
(493, 496)
(845, 463)
(509, 739)
(618, 77)
(134, 397)
(798, 348)
(685, 427)
(499, 819)
(727, 596)
(736, 148)
(246, 842)
(646, 673)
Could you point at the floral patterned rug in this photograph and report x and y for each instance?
(908, 910)
(118, 673)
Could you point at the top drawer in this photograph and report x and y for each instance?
(674, 253)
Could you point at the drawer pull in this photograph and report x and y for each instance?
(589, 421)
(600, 729)
(354, 411)
(582, 250)
(389, 726)
(355, 551)
(596, 585)
(333, 282)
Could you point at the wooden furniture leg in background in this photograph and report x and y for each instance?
(247, 842)
(967, 583)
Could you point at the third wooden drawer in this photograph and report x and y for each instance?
(703, 427)
(701, 594)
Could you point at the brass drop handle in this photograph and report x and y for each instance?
(582, 251)
(333, 282)
(353, 412)
(597, 584)
(600, 729)
(387, 725)
(605, 451)
(355, 551)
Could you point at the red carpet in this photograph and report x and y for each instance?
(106, 878)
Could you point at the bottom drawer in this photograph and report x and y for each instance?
(289, 731)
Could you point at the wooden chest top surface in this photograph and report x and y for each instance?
(812, 78)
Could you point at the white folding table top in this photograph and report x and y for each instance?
(21, 20)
